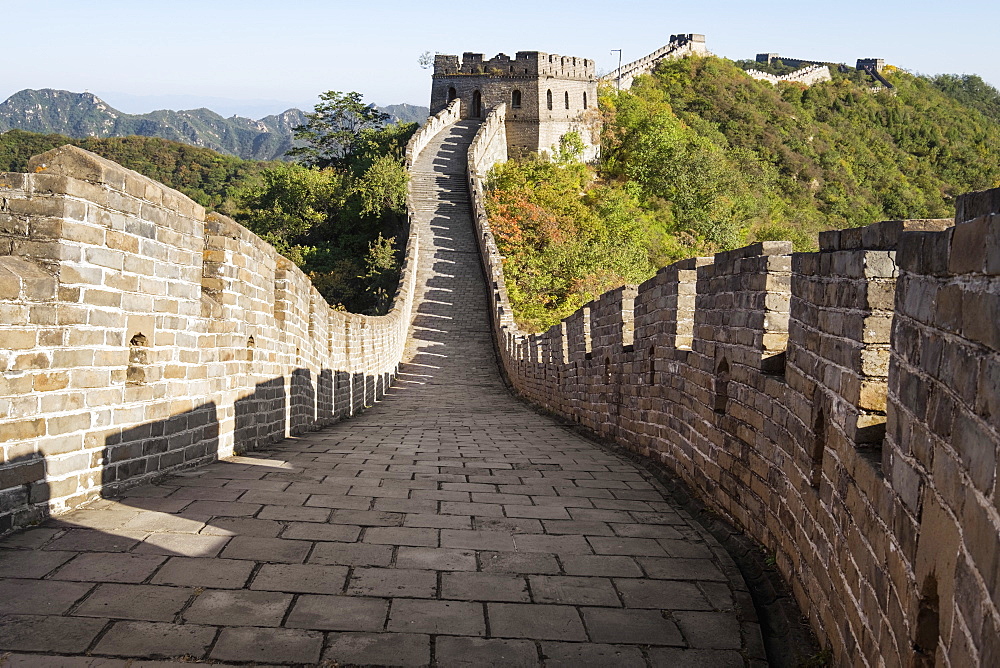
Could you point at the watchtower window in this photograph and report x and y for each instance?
(721, 386)
(548, 99)
(515, 99)
(250, 347)
(567, 99)
(652, 365)
(477, 105)
(452, 93)
(584, 99)
(607, 370)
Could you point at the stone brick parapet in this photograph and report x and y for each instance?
(842, 407)
(139, 335)
(490, 143)
(524, 64)
(489, 147)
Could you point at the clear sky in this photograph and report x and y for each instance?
(254, 58)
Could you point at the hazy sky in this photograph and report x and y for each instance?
(255, 58)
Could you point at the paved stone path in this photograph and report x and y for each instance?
(448, 525)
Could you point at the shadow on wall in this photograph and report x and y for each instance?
(260, 419)
(214, 500)
(184, 440)
(23, 486)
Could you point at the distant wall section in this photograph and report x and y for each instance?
(678, 47)
(807, 76)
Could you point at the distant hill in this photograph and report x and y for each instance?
(406, 113)
(82, 115)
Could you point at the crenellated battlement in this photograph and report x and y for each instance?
(524, 64)
(840, 406)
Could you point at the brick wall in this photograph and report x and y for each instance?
(139, 335)
(841, 407)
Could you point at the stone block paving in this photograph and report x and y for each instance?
(448, 525)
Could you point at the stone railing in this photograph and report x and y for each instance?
(840, 407)
(139, 335)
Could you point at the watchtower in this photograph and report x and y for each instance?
(547, 95)
(877, 64)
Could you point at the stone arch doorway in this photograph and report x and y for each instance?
(477, 104)
(452, 93)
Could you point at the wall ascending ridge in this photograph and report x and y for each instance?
(842, 407)
(807, 76)
(140, 335)
(678, 47)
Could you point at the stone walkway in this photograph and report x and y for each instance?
(448, 525)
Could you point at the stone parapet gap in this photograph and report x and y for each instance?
(139, 335)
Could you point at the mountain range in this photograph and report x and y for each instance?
(86, 115)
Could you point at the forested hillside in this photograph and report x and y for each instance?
(703, 158)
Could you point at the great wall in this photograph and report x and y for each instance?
(678, 47)
(807, 76)
(125, 303)
(840, 407)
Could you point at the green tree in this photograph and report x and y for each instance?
(338, 212)
(289, 203)
(381, 273)
(565, 239)
(697, 157)
(335, 128)
(382, 188)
